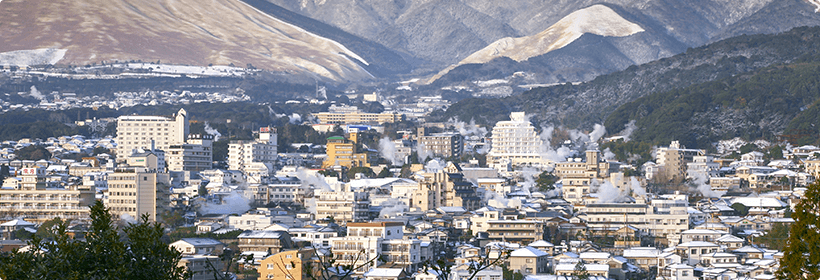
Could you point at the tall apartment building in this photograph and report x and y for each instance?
(661, 217)
(196, 155)
(386, 240)
(446, 188)
(242, 154)
(352, 115)
(343, 205)
(139, 190)
(442, 144)
(578, 175)
(29, 197)
(147, 132)
(515, 143)
(674, 159)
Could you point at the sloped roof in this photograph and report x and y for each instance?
(17, 223)
(527, 252)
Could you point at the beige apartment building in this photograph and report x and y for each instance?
(28, 197)
(516, 231)
(147, 132)
(664, 218)
(579, 175)
(442, 144)
(446, 188)
(352, 115)
(241, 153)
(196, 155)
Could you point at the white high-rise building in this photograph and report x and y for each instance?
(515, 143)
(242, 153)
(147, 132)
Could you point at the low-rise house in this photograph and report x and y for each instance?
(678, 272)
(643, 257)
(692, 251)
(385, 274)
(528, 260)
(271, 242)
(202, 267)
(290, 265)
(198, 246)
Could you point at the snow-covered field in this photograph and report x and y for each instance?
(187, 70)
(32, 57)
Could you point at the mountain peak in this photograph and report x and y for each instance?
(596, 19)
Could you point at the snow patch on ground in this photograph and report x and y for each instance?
(490, 83)
(32, 57)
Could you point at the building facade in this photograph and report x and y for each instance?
(515, 143)
(148, 132)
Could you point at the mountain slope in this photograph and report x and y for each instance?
(755, 105)
(597, 19)
(592, 102)
(180, 31)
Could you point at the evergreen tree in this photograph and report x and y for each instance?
(801, 258)
(104, 254)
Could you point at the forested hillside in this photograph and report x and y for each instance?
(761, 104)
(582, 105)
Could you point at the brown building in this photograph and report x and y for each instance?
(287, 265)
(264, 241)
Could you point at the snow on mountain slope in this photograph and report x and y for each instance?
(187, 32)
(32, 57)
(597, 19)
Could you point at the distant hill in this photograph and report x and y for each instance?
(582, 105)
(764, 103)
(187, 32)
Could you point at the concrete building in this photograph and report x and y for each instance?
(30, 198)
(139, 190)
(445, 188)
(579, 176)
(147, 132)
(442, 144)
(674, 160)
(196, 155)
(288, 265)
(342, 204)
(342, 153)
(515, 143)
(352, 115)
(241, 154)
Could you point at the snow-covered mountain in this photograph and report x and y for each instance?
(597, 19)
(189, 32)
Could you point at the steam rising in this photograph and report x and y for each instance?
(392, 207)
(210, 130)
(387, 149)
(701, 183)
(36, 93)
(607, 192)
(627, 132)
(295, 119)
(237, 202)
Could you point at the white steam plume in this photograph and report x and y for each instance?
(273, 113)
(700, 183)
(237, 202)
(597, 132)
(636, 187)
(391, 207)
(493, 199)
(295, 119)
(434, 166)
(36, 93)
(387, 149)
(422, 152)
(316, 181)
(628, 129)
(212, 131)
(465, 129)
(608, 154)
(607, 192)
(127, 219)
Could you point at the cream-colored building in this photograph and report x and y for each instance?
(515, 143)
(529, 261)
(580, 176)
(136, 191)
(352, 115)
(341, 204)
(289, 265)
(241, 154)
(196, 155)
(147, 132)
(445, 188)
(29, 198)
(663, 218)
(674, 159)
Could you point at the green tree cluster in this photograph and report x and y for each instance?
(137, 253)
(801, 256)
